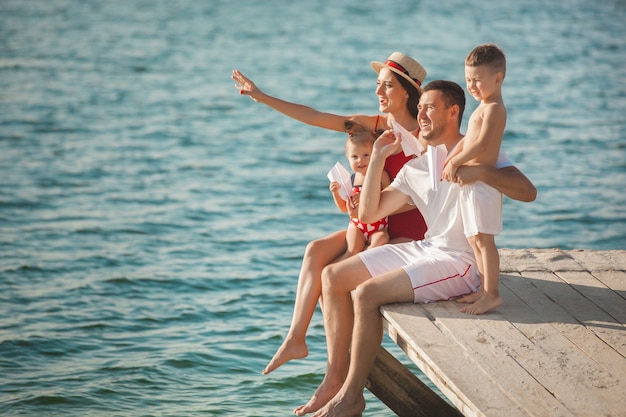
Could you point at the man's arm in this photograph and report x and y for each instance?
(510, 181)
(375, 204)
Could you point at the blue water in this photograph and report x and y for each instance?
(152, 220)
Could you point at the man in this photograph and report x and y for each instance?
(440, 267)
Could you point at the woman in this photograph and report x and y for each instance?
(398, 91)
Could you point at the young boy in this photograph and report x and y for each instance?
(481, 205)
(358, 151)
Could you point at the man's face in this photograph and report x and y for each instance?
(432, 116)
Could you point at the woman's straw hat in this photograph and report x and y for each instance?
(405, 66)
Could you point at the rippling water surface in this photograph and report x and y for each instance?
(152, 220)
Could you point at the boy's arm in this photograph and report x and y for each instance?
(510, 181)
(490, 135)
(448, 172)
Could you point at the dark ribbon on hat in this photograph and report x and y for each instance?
(400, 68)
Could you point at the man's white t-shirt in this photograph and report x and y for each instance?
(440, 208)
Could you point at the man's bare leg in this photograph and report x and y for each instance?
(337, 282)
(394, 286)
(317, 255)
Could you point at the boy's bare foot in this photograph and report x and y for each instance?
(341, 406)
(485, 303)
(470, 298)
(287, 351)
(323, 394)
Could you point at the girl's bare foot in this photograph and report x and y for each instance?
(485, 303)
(289, 350)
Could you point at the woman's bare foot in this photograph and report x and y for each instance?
(470, 298)
(341, 406)
(290, 349)
(323, 394)
(485, 303)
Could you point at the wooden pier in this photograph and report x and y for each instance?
(556, 347)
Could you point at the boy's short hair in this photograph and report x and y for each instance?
(487, 54)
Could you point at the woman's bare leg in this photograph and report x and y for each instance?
(318, 254)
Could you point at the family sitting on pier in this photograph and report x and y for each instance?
(441, 242)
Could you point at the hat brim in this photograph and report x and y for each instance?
(377, 66)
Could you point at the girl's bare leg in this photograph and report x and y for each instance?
(355, 241)
(318, 254)
(379, 238)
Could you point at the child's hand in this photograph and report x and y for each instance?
(334, 187)
(449, 172)
(353, 205)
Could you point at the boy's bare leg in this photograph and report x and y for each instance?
(318, 254)
(489, 294)
(475, 296)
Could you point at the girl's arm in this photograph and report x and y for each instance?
(339, 202)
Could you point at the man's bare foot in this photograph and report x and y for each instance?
(470, 298)
(342, 406)
(289, 350)
(485, 303)
(323, 394)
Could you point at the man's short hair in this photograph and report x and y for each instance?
(451, 93)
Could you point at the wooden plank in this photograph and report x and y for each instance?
(591, 340)
(404, 393)
(463, 371)
(596, 292)
(576, 379)
(600, 260)
(557, 346)
(617, 258)
(616, 280)
(558, 260)
(583, 311)
(511, 361)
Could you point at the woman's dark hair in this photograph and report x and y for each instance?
(414, 94)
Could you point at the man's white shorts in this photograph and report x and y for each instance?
(435, 274)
